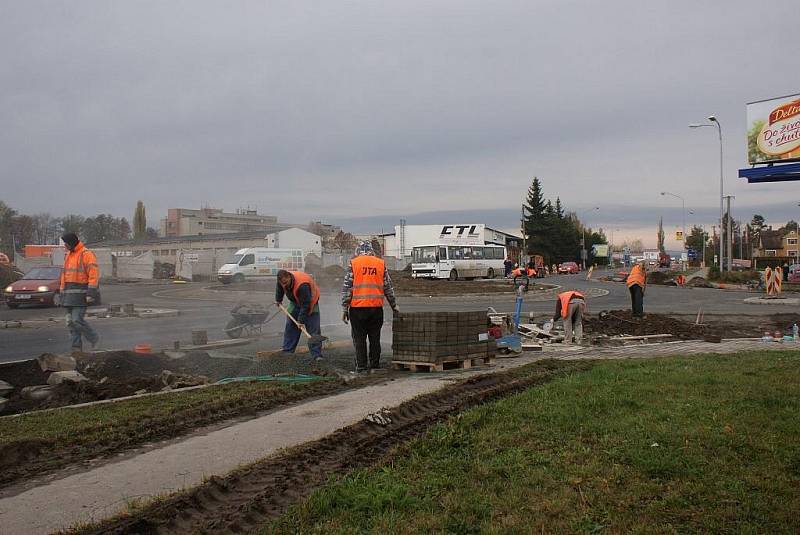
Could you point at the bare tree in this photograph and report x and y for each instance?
(72, 223)
(345, 242)
(45, 228)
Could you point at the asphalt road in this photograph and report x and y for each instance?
(202, 308)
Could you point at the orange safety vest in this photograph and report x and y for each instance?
(637, 276)
(368, 273)
(300, 278)
(519, 273)
(565, 298)
(80, 270)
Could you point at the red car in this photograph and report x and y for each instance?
(568, 267)
(40, 286)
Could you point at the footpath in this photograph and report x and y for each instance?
(112, 487)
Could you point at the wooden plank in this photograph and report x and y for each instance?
(461, 364)
(536, 330)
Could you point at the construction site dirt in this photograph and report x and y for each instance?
(20, 460)
(621, 322)
(253, 496)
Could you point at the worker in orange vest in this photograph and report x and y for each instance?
(303, 294)
(366, 283)
(80, 283)
(570, 307)
(637, 282)
(523, 272)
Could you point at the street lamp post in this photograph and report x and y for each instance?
(715, 121)
(584, 254)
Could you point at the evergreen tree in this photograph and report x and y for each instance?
(536, 222)
(559, 209)
(661, 235)
(139, 222)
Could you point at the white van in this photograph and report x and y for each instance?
(260, 262)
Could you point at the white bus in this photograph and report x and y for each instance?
(455, 262)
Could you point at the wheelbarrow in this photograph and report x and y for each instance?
(247, 321)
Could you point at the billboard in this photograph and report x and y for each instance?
(773, 130)
(600, 250)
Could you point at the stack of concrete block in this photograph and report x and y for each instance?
(441, 336)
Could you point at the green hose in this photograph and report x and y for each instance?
(296, 378)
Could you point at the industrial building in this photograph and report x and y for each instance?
(208, 252)
(399, 243)
(189, 222)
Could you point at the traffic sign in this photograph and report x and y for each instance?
(679, 235)
(691, 254)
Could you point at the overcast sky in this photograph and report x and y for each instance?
(343, 110)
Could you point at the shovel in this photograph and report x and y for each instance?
(316, 339)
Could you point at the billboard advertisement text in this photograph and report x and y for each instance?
(773, 130)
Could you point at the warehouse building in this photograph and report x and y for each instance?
(398, 244)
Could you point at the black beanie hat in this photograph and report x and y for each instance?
(70, 239)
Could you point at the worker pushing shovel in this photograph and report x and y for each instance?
(303, 315)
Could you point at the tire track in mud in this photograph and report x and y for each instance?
(24, 459)
(253, 496)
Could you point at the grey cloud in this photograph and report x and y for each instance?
(307, 108)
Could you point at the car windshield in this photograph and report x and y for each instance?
(424, 255)
(236, 258)
(43, 273)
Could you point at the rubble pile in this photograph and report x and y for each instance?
(52, 380)
(163, 270)
(660, 278)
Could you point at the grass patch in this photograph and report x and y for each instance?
(40, 441)
(703, 444)
(89, 424)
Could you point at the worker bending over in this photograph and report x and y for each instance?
(637, 282)
(303, 294)
(570, 307)
(525, 273)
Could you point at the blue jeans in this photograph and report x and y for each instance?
(291, 334)
(78, 327)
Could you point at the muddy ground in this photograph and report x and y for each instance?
(251, 497)
(619, 322)
(23, 459)
(123, 373)
(116, 374)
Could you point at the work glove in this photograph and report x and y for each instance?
(91, 296)
(395, 311)
(345, 316)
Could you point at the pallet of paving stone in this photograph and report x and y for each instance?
(443, 365)
(435, 336)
